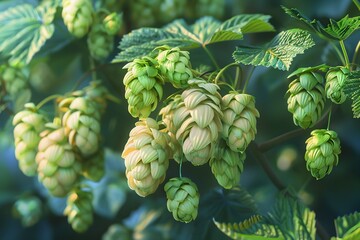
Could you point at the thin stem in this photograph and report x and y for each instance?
(356, 53)
(357, 3)
(47, 99)
(338, 52)
(180, 167)
(223, 70)
(329, 118)
(211, 56)
(237, 77)
(343, 49)
(248, 78)
(92, 66)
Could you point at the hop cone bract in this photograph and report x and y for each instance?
(239, 120)
(78, 16)
(79, 210)
(175, 66)
(146, 156)
(197, 120)
(322, 150)
(227, 166)
(182, 199)
(58, 166)
(335, 81)
(28, 123)
(306, 99)
(143, 86)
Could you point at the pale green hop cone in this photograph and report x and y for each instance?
(239, 120)
(322, 152)
(197, 120)
(182, 199)
(78, 16)
(79, 210)
(175, 66)
(28, 124)
(100, 42)
(143, 86)
(306, 99)
(93, 166)
(28, 209)
(13, 80)
(58, 166)
(146, 156)
(112, 23)
(227, 166)
(335, 81)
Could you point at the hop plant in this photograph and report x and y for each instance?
(58, 166)
(28, 124)
(322, 152)
(13, 80)
(239, 121)
(143, 86)
(182, 199)
(175, 66)
(146, 156)
(78, 16)
(335, 81)
(100, 42)
(93, 166)
(306, 99)
(81, 124)
(79, 209)
(227, 166)
(112, 23)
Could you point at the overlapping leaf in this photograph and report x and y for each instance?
(24, 30)
(279, 53)
(352, 89)
(205, 31)
(348, 227)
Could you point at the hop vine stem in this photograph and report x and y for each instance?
(343, 49)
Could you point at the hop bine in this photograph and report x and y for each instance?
(322, 152)
(182, 199)
(28, 123)
(335, 81)
(306, 99)
(146, 156)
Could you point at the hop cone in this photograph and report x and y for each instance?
(79, 210)
(28, 209)
(171, 9)
(182, 199)
(143, 86)
(100, 42)
(93, 166)
(112, 23)
(322, 150)
(146, 155)
(335, 81)
(97, 93)
(81, 124)
(239, 121)
(143, 12)
(227, 166)
(175, 66)
(58, 168)
(78, 16)
(306, 99)
(13, 80)
(28, 123)
(197, 121)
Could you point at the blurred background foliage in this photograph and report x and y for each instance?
(28, 212)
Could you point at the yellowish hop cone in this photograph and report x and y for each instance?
(146, 156)
(182, 199)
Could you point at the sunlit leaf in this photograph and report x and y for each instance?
(348, 226)
(352, 89)
(279, 53)
(178, 33)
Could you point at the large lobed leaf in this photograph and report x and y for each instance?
(24, 30)
(352, 89)
(206, 30)
(348, 227)
(279, 53)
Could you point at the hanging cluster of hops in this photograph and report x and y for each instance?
(198, 126)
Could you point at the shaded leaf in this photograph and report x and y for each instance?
(348, 226)
(24, 30)
(206, 30)
(352, 89)
(279, 53)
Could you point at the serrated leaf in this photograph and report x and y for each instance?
(352, 89)
(253, 228)
(335, 30)
(279, 53)
(322, 67)
(206, 30)
(24, 30)
(348, 226)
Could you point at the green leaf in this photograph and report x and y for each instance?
(293, 219)
(352, 89)
(24, 30)
(253, 228)
(335, 30)
(322, 67)
(348, 226)
(206, 30)
(279, 53)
